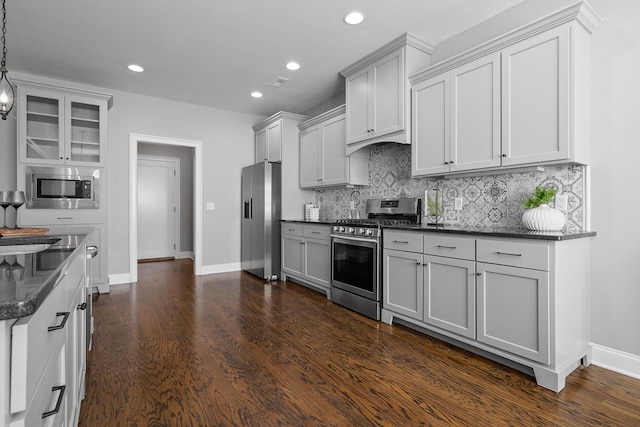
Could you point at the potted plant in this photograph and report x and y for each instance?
(539, 215)
(435, 208)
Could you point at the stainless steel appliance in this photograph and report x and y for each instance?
(260, 228)
(91, 252)
(356, 262)
(62, 187)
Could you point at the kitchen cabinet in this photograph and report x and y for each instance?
(323, 158)
(522, 99)
(525, 300)
(45, 360)
(306, 254)
(456, 119)
(377, 92)
(283, 137)
(61, 127)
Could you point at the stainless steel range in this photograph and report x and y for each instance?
(356, 276)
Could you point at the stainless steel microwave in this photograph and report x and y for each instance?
(62, 187)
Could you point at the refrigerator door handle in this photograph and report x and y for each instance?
(251, 207)
(247, 210)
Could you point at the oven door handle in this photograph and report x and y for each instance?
(347, 240)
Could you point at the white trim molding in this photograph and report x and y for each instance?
(221, 268)
(616, 360)
(119, 279)
(134, 139)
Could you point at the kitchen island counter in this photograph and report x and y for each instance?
(307, 221)
(26, 279)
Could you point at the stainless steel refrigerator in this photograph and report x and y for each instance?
(260, 233)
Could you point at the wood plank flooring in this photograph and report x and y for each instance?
(231, 350)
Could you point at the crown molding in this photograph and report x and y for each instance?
(277, 116)
(322, 117)
(580, 12)
(406, 39)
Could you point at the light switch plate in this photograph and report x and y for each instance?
(211, 206)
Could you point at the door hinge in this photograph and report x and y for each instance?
(174, 172)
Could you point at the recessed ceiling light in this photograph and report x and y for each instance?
(354, 18)
(135, 68)
(293, 66)
(256, 94)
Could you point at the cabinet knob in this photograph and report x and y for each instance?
(418, 263)
(451, 162)
(504, 155)
(82, 306)
(446, 163)
(478, 274)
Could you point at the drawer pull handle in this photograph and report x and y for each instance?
(478, 274)
(82, 306)
(291, 229)
(315, 232)
(399, 241)
(61, 325)
(65, 217)
(447, 247)
(508, 253)
(62, 389)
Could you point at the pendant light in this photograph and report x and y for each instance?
(7, 94)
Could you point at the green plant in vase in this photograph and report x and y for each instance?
(539, 215)
(435, 209)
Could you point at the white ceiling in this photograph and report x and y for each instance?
(213, 52)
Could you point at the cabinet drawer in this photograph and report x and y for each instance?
(47, 395)
(317, 231)
(32, 344)
(517, 254)
(450, 246)
(402, 240)
(292, 228)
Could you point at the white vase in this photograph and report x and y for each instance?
(543, 218)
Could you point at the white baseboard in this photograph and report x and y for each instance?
(185, 254)
(220, 268)
(616, 360)
(119, 279)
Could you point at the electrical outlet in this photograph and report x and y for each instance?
(211, 206)
(458, 203)
(562, 202)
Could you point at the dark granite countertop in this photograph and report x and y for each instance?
(497, 232)
(303, 221)
(27, 279)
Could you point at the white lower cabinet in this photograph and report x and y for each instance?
(46, 355)
(306, 254)
(525, 300)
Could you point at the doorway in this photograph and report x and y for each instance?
(158, 207)
(196, 146)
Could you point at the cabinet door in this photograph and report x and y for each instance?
(40, 126)
(403, 283)
(310, 141)
(475, 115)
(334, 154)
(274, 141)
(261, 146)
(317, 261)
(85, 131)
(535, 99)
(387, 109)
(292, 255)
(358, 92)
(450, 294)
(513, 310)
(430, 126)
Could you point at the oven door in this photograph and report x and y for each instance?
(355, 266)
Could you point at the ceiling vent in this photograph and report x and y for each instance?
(279, 82)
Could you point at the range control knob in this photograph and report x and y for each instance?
(342, 229)
(369, 232)
(352, 230)
(336, 228)
(361, 231)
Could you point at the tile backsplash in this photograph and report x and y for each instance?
(491, 200)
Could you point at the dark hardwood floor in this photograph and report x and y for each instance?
(229, 349)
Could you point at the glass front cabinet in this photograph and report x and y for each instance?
(61, 128)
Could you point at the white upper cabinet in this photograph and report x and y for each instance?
(536, 99)
(456, 119)
(269, 142)
(519, 100)
(323, 158)
(61, 127)
(378, 92)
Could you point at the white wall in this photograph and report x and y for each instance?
(227, 146)
(615, 126)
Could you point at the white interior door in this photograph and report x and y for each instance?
(157, 207)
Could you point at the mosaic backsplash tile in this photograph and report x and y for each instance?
(491, 200)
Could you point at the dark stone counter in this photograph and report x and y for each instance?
(27, 279)
(516, 233)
